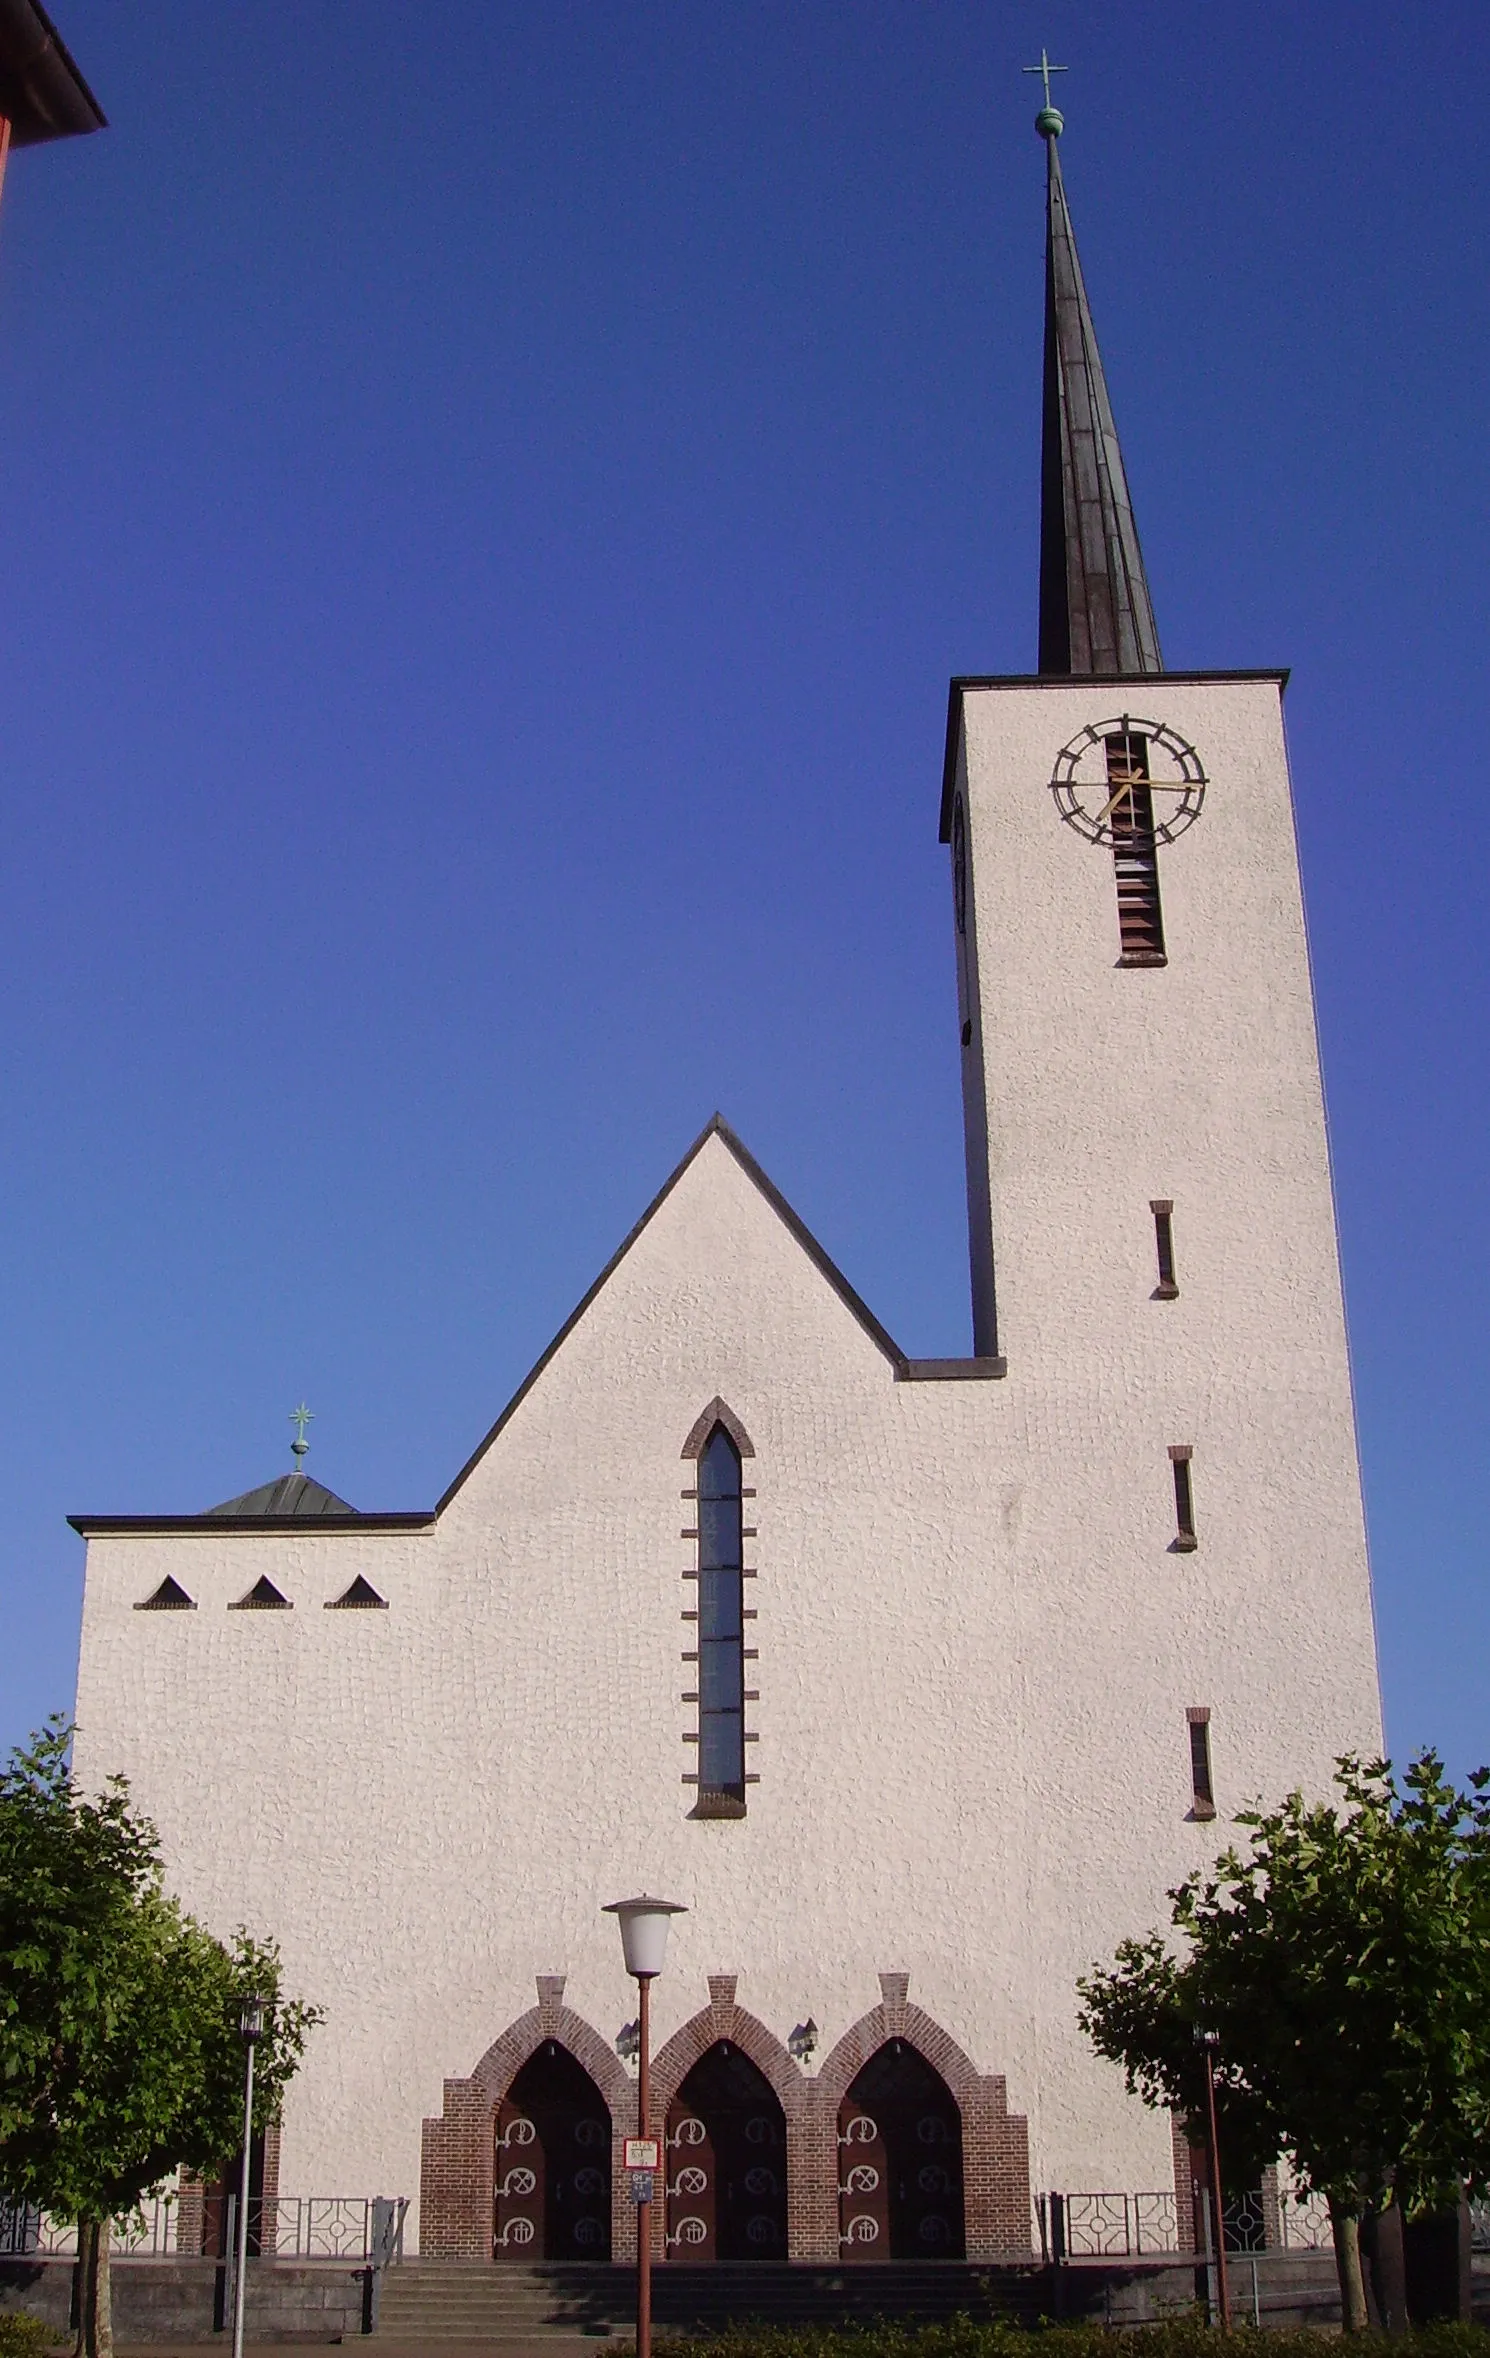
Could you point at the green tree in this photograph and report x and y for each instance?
(120, 2053)
(1344, 1961)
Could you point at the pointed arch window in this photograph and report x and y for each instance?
(721, 1627)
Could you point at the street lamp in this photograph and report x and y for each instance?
(253, 2022)
(644, 1926)
(1208, 2041)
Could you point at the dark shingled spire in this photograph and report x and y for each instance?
(1095, 614)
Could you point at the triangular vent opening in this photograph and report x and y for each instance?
(262, 1597)
(361, 1594)
(170, 1597)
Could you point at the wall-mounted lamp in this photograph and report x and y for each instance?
(802, 2043)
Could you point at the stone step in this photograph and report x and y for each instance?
(471, 2301)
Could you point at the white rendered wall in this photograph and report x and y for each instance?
(975, 1648)
(1106, 1088)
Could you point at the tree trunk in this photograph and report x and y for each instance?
(95, 2304)
(1383, 2247)
(1345, 2226)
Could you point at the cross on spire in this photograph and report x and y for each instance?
(300, 1417)
(1045, 69)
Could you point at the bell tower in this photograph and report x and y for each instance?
(1151, 1217)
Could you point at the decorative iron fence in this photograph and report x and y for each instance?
(291, 2227)
(148, 2232)
(1112, 2226)
(1115, 2226)
(1304, 2224)
(312, 2227)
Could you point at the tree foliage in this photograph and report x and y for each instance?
(1343, 1958)
(121, 2058)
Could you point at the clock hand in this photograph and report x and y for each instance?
(1155, 785)
(1108, 808)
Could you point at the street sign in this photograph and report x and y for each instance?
(643, 2184)
(641, 2153)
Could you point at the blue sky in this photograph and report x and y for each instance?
(494, 498)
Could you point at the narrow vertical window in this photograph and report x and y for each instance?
(1184, 1496)
(721, 1629)
(1135, 852)
(1202, 1790)
(1166, 1290)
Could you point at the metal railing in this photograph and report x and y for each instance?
(1116, 2226)
(289, 2227)
(310, 2226)
(1112, 2226)
(148, 2231)
(1304, 2223)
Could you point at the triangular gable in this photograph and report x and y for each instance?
(263, 1597)
(170, 1597)
(717, 1128)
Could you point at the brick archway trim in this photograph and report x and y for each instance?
(505, 2057)
(995, 2142)
(742, 2029)
(457, 2162)
(717, 1413)
(934, 2045)
(720, 2020)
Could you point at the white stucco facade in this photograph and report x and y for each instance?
(975, 1642)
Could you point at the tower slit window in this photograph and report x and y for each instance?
(1202, 1788)
(721, 1629)
(1135, 850)
(1180, 1455)
(1167, 1289)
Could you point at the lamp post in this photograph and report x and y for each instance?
(252, 2024)
(644, 1925)
(1208, 2041)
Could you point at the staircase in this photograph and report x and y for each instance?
(475, 2301)
(424, 2301)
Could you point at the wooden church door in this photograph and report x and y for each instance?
(900, 2162)
(863, 2185)
(726, 2151)
(518, 2231)
(692, 2185)
(552, 2176)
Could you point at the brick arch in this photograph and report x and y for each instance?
(505, 2057)
(717, 1413)
(995, 2142)
(725, 2020)
(722, 2018)
(919, 2030)
(457, 2173)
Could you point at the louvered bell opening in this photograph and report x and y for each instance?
(1135, 854)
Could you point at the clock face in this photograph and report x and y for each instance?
(1127, 777)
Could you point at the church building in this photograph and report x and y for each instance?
(917, 1681)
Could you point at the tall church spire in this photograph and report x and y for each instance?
(1095, 614)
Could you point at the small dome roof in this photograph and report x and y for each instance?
(291, 1494)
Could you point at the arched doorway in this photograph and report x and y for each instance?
(552, 2179)
(900, 2162)
(726, 2163)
